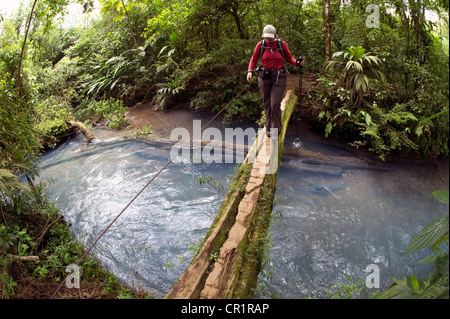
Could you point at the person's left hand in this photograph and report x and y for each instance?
(300, 61)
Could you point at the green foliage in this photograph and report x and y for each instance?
(18, 143)
(354, 64)
(434, 232)
(31, 225)
(8, 182)
(166, 91)
(114, 71)
(218, 77)
(216, 185)
(111, 110)
(53, 114)
(8, 285)
(383, 124)
(351, 289)
(196, 53)
(434, 235)
(412, 55)
(382, 130)
(146, 130)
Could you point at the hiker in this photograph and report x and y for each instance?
(272, 74)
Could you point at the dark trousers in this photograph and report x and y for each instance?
(272, 90)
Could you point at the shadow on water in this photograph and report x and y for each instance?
(334, 222)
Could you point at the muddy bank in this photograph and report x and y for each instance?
(163, 123)
(300, 137)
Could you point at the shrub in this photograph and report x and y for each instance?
(111, 110)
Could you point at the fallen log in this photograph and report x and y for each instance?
(344, 162)
(238, 233)
(86, 131)
(25, 258)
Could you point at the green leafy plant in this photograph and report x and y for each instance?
(355, 65)
(216, 185)
(433, 235)
(348, 290)
(111, 110)
(146, 130)
(115, 70)
(165, 92)
(8, 181)
(8, 284)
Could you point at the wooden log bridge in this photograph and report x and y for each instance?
(230, 257)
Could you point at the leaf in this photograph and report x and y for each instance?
(354, 65)
(368, 118)
(173, 37)
(442, 196)
(6, 173)
(114, 59)
(428, 260)
(400, 290)
(433, 116)
(171, 52)
(114, 84)
(428, 235)
(4, 189)
(414, 282)
(444, 238)
(419, 130)
(328, 129)
(20, 185)
(337, 55)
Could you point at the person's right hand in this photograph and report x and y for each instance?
(249, 77)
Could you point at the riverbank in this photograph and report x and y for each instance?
(170, 216)
(300, 133)
(301, 136)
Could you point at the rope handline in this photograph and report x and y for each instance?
(143, 188)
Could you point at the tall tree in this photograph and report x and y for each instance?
(19, 80)
(327, 27)
(237, 9)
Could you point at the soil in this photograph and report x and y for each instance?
(163, 122)
(43, 288)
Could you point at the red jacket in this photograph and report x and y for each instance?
(271, 60)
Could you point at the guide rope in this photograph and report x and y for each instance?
(143, 188)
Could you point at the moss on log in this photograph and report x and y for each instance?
(253, 249)
(239, 231)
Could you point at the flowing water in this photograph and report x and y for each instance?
(334, 223)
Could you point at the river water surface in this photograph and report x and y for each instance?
(333, 223)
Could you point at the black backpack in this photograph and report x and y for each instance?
(279, 48)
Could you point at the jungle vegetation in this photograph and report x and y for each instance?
(381, 73)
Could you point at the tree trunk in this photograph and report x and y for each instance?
(25, 258)
(19, 80)
(327, 25)
(237, 20)
(405, 21)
